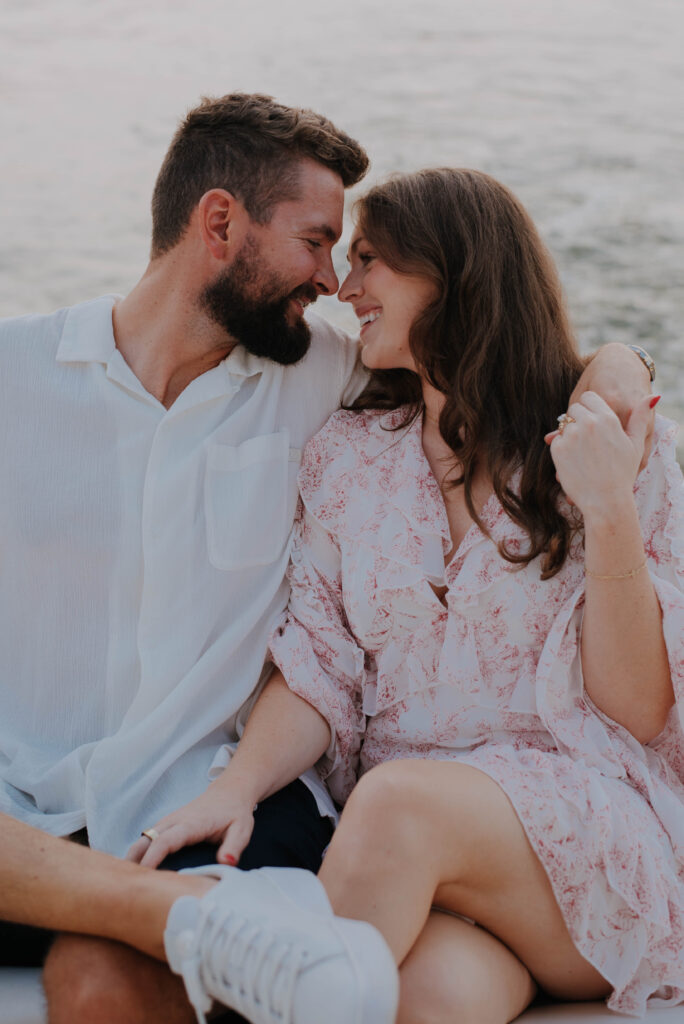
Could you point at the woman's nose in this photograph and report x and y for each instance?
(350, 287)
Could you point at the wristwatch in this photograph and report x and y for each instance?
(645, 359)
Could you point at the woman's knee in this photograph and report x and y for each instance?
(386, 810)
(440, 808)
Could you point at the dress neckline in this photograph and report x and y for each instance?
(408, 446)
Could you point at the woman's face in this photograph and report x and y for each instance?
(386, 303)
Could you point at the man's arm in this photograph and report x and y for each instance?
(622, 380)
(59, 885)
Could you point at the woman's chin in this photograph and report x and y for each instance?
(373, 360)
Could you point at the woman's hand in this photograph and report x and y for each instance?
(217, 816)
(596, 460)
(283, 737)
(621, 379)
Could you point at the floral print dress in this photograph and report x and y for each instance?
(491, 677)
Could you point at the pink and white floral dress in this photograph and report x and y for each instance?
(493, 679)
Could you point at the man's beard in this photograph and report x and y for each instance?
(252, 307)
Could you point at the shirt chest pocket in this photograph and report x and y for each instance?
(250, 497)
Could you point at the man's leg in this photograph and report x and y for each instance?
(101, 981)
(91, 981)
(49, 883)
(22, 945)
(54, 884)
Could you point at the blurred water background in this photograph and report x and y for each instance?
(576, 104)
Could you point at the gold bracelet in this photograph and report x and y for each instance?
(616, 575)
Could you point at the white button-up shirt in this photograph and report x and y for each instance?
(142, 561)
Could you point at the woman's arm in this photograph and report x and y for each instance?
(624, 658)
(284, 736)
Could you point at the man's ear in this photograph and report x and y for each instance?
(221, 221)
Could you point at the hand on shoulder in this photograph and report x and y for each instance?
(620, 375)
(596, 460)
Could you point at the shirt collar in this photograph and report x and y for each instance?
(88, 334)
(88, 337)
(241, 363)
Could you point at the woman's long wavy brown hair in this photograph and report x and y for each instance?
(496, 340)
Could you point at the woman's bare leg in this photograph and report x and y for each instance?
(459, 972)
(417, 833)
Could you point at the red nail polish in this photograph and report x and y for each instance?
(229, 859)
(654, 401)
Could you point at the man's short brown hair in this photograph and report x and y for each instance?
(249, 145)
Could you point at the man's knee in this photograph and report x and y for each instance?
(94, 981)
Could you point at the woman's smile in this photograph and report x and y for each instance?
(386, 304)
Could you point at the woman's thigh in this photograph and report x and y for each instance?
(498, 881)
(453, 825)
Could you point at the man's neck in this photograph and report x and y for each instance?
(163, 334)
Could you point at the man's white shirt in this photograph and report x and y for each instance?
(142, 562)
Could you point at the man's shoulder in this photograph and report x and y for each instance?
(31, 325)
(332, 364)
(330, 343)
(42, 334)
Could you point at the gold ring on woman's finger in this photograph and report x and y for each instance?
(563, 421)
(150, 833)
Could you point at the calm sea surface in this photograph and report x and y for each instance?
(576, 104)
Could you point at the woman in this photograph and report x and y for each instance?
(490, 636)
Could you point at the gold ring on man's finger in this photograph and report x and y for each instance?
(150, 833)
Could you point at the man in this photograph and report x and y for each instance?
(150, 487)
(150, 462)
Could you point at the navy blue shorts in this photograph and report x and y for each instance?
(288, 832)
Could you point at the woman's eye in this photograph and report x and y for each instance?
(365, 257)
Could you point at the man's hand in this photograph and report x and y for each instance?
(621, 379)
(217, 816)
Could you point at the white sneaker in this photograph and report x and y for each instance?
(266, 944)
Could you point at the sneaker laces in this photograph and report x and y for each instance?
(262, 967)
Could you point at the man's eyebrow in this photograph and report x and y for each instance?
(324, 230)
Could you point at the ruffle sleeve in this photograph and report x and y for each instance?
(313, 644)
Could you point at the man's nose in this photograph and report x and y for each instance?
(325, 278)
